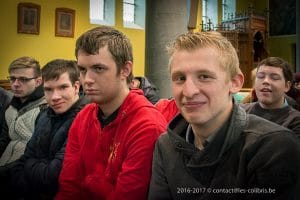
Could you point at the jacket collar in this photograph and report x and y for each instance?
(36, 94)
(73, 110)
(224, 139)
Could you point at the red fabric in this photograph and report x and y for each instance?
(113, 162)
(168, 108)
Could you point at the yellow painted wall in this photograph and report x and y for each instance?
(45, 46)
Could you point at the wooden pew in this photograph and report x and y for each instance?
(5, 84)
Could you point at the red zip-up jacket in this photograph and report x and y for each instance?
(168, 108)
(113, 162)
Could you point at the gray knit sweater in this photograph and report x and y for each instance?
(21, 126)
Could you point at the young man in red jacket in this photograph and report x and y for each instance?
(111, 141)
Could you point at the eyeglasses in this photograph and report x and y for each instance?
(12, 79)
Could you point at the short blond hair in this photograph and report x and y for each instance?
(191, 41)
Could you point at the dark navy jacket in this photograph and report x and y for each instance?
(35, 174)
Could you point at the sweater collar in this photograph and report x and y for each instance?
(36, 94)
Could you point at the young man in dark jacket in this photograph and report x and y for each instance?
(213, 149)
(273, 79)
(35, 174)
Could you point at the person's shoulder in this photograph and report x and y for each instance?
(261, 127)
(163, 103)
(164, 140)
(89, 107)
(263, 134)
(294, 112)
(41, 103)
(141, 112)
(247, 106)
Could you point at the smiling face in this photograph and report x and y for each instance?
(270, 86)
(202, 88)
(60, 93)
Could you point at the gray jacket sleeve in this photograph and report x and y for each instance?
(159, 189)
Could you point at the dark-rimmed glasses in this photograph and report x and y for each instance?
(21, 79)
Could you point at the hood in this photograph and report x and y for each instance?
(134, 101)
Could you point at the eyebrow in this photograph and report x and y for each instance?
(197, 72)
(62, 85)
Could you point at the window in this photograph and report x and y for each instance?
(128, 11)
(209, 14)
(102, 12)
(134, 14)
(228, 9)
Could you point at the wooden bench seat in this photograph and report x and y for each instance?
(5, 84)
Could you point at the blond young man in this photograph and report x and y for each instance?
(213, 149)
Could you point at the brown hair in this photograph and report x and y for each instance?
(53, 69)
(118, 45)
(25, 62)
(279, 63)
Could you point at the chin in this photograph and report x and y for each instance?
(193, 119)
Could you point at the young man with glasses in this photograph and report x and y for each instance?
(28, 99)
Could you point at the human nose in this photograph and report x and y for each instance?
(16, 82)
(266, 79)
(190, 88)
(56, 95)
(87, 77)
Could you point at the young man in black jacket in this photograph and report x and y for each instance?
(213, 149)
(35, 174)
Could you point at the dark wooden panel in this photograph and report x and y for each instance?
(5, 84)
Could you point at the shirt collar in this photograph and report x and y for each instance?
(190, 138)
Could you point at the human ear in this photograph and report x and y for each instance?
(237, 83)
(127, 69)
(38, 81)
(77, 86)
(288, 85)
